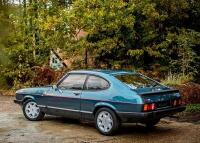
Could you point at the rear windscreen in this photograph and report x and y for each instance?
(136, 81)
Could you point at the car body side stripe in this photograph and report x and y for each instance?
(52, 107)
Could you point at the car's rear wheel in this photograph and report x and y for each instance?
(31, 111)
(152, 123)
(106, 121)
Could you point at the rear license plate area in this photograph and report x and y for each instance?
(163, 104)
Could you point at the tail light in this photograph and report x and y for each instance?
(149, 107)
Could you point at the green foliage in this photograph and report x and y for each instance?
(149, 32)
(105, 22)
(193, 108)
(4, 23)
(35, 27)
(176, 79)
(96, 15)
(179, 47)
(162, 36)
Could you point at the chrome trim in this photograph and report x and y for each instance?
(53, 95)
(43, 106)
(63, 109)
(82, 111)
(85, 112)
(49, 94)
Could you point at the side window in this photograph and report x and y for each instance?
(73, 81)
(96, 83)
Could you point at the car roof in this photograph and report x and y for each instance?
(97, 71)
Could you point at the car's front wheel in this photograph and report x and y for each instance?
(106, 121)
(31, 111)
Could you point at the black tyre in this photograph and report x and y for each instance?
(31, 111)
(106, 121)
(152, 123)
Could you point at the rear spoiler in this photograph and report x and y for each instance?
(161, 91)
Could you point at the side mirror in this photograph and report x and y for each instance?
(54, 87)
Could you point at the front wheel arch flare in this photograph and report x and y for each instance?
(27, 98)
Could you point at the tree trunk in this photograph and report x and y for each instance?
(86, 58)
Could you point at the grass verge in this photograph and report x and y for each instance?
(193, 108)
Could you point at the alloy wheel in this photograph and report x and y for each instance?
(104, 121)
(32, 110)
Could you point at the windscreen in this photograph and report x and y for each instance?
(137, 81)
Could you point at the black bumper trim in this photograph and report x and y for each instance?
(146, 116)
(17, 101)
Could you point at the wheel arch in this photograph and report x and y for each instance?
(105, 105)
(27, 97)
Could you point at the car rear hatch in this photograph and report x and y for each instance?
(164, 98)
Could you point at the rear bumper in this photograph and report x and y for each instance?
(147, 116)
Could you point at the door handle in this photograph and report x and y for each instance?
(76, 94)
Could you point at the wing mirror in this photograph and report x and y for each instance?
(54, 87)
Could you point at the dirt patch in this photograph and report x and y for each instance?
(14, 128)
(187, 117)
(7, 105)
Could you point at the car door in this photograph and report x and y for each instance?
(64, 100)
(96, 90)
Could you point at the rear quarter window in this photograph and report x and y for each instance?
(96, 83)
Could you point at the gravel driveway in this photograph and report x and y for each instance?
(14, 128)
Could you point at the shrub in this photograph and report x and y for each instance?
(43, 76)
(190, 92)
(193, 108)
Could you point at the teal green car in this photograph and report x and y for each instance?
(106, 97)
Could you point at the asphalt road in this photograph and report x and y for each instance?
(14, 128)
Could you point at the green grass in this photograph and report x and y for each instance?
(176, 79)
(193, 108)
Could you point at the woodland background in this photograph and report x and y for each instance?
(160, 38)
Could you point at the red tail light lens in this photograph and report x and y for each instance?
(149, 107)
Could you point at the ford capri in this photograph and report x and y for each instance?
(106, 97)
